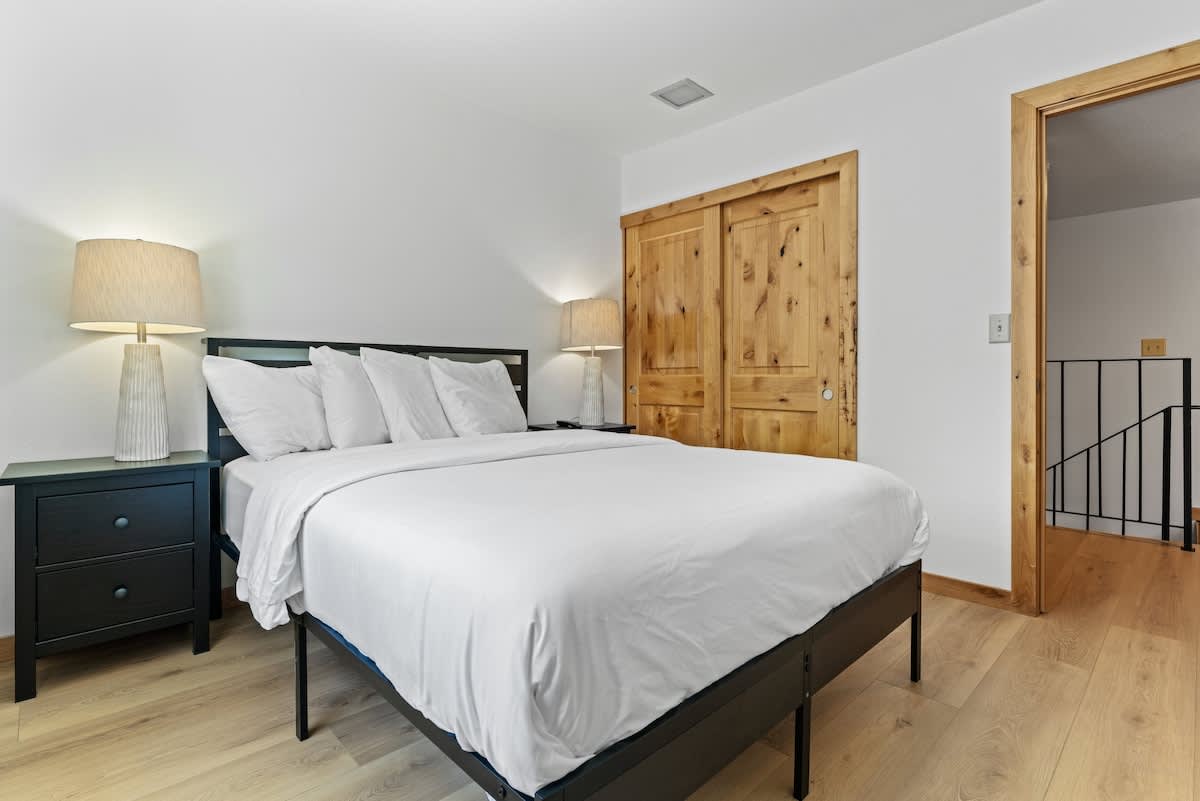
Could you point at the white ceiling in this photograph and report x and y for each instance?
(1133, 152)
(581, 67)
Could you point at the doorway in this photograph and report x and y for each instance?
(1032, 111)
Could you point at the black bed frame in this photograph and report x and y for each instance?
(674, 755)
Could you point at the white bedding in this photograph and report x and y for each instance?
(238, 479)
(544, 595)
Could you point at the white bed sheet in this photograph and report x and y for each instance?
(240, 476)
(238, 479)
(546, 604)
(237, 482)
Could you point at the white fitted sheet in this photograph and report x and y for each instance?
(237, 482)
(544, 595)
(240, 476)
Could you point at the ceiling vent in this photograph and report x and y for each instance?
(682, 93)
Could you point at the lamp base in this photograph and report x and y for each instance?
(591, 407)
(142, 407)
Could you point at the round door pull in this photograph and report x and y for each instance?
(827, 394)
(121, 522)
(121, 593)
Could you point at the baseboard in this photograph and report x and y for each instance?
(7, 647)
(966, 590)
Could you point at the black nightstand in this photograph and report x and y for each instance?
(106, 549)
(616, 428)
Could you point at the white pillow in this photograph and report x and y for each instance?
(270, 410)
(352, 410)
(477, 398)
(405, 390)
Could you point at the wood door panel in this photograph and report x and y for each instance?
(771, 299)
(677, 390)
(673, 327)
(741, 313)
(683, 424)
(788, 198)
(798, 393)
(775, 431)
(781, 320)
(671, 274)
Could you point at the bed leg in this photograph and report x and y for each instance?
(914, 656)
(803, 747)
(301, 641)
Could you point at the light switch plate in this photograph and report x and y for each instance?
(999, 328)
(1154, 347)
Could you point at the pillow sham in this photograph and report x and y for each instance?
(352, 410)
(270, 410)
(405, 390)
(477, 398)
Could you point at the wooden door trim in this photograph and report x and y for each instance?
(1030, 110)
(845, 167)
(752, 186)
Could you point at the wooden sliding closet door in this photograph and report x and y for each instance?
(782, 319)
(673, 327)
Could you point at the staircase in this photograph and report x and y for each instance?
(1174, 420)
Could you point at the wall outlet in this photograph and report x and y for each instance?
(999, 328)
(1154, 347)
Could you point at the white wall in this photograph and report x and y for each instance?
(932, 129)
(327, 198)
(1113, 279)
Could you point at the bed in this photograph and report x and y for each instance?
(554, 645)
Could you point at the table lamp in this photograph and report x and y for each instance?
(591, 324)
(127, 286)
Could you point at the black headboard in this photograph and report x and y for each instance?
(292, 353)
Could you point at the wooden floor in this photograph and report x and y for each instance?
(1096, 700)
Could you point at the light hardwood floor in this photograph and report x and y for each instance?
(1096, 700)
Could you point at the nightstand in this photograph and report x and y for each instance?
(616, 428)
(106, 549)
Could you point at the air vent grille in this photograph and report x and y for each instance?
(682, 93)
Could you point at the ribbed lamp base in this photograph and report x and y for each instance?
(142, 408)
(591, 407)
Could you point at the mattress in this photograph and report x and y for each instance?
(238, 479)
(544, 595)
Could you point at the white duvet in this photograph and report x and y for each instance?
(544, 595)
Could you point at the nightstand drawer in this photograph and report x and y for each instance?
(79, 599)
(91, 524)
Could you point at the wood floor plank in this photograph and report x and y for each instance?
(153, 669)
(1058, 552)
(158, 744)
(850, 683)
(1162, 595)
(283, 770)
(1106, 682)
(1074, 631)
(866, 750)
(959, 654)
(416, 772)
(9, 712)
(374, 732)
(1004, 742)
(1131, 738)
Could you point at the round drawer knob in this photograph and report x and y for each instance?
(121, 593)
(121, 522)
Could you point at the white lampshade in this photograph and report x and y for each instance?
(120, 283)
(591, 323)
